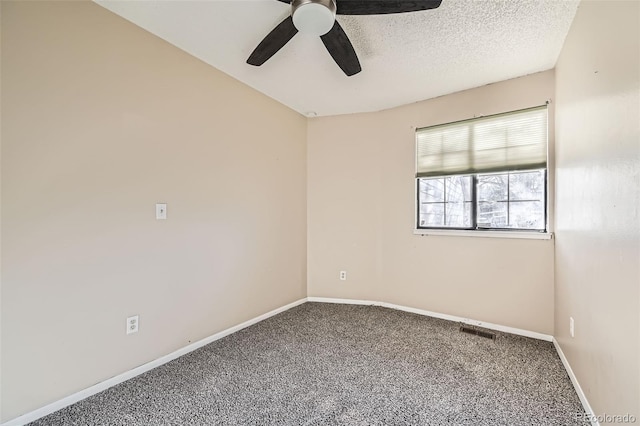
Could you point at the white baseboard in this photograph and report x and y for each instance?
(491, 326)
(99, 387)
(576, 385)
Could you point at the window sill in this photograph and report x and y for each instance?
(485, 234)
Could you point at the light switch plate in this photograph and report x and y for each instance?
(161, 211)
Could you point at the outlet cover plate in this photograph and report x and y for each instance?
(132, 324)
(572, 328)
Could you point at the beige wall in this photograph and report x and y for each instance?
(361, 217)
(598, 199)
(101, 120)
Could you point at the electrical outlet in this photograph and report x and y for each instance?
(343, 275)
(132, 324)
(571, 327)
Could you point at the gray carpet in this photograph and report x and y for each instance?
(323, 364)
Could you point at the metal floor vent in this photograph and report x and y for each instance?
(470, 330)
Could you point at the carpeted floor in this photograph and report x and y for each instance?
(324, 364)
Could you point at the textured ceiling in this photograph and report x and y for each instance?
(405, 57)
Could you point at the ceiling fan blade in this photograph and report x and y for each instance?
(380, 7)
(285, 1)
(341, 50)
(273, 42)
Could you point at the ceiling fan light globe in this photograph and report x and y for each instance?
(314, 17)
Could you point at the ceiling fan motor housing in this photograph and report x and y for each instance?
(314, 17)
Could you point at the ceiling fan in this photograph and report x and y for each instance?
(318, 17)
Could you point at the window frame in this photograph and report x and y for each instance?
(472, 201)
(419, 229)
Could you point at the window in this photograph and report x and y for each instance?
(485, 173)
(446, 202)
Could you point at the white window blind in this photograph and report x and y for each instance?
(503, 142)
